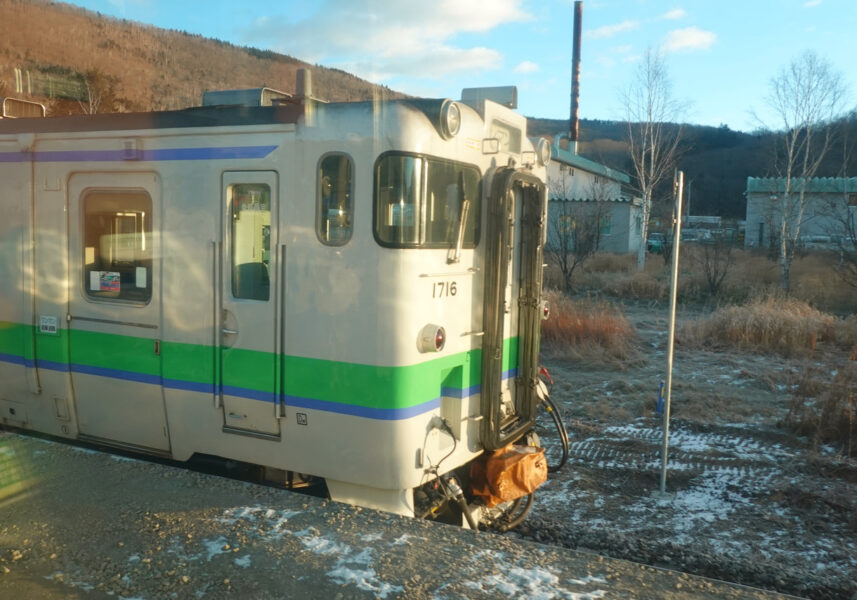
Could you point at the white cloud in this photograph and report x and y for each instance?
(381, 39)
(811, 3)
(610, 30)
(674, 14)
(689, 38)
(527, 66)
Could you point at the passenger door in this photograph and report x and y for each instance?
(249, 331)
(114, 311)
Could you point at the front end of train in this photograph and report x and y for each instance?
(459, 216)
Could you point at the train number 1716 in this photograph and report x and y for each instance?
(443, 289)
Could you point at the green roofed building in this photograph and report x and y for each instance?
(584, 191)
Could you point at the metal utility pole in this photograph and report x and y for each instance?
(574, 123)
(679, 185)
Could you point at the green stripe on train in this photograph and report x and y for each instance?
(16, 340)
(333, 381)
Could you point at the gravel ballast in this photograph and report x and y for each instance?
(77, 523)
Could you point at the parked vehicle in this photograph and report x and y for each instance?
(656, 244)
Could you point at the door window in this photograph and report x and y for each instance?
(250, 233)
(335, 200)
(117, 245)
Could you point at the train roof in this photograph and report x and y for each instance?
(204, 116)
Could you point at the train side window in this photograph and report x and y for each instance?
(117, 245)
(250, 238)
(335, 200)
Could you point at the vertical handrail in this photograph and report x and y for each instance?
(36, 380)
(217, 319)
(280, 340)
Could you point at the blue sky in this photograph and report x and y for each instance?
(721, 54)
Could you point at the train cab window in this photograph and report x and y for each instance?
(423, 202)
(117, 245)
(335, 200)
(250, 239)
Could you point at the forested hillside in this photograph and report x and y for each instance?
(716, 160)
(58, 48)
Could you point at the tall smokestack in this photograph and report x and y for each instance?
(574, 127)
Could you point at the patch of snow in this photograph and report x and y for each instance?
(124, 458)
(215, 547)
(243, 562)
(536, 583)
(320, 544)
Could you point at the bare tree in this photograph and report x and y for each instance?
(652, 132)
(575, 226)
(98, 92)
(714, 259)
(805, 98)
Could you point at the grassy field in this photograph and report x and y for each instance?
(814, 279)
(814, 326)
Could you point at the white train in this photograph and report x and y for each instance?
(350, 290)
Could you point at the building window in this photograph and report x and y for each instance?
(335, 200)
(565, 224)
(250, 233)
(606, 224)
(117, 245)
(852, 199)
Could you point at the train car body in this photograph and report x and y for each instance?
(346, 290)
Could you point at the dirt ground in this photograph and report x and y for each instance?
(747, 500)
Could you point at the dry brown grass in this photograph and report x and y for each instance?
(814, 279)
(770, 323)
(827, 412)
(617, 275)
(587, 330)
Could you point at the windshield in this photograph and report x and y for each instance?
(418, 202)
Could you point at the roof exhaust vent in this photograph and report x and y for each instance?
(249, 97)
(504, 95)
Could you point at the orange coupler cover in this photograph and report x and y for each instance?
(508, 473)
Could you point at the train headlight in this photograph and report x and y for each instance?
(450, 119)
(432, 338)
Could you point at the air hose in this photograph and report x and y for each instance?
(561, 430)
(552, 410)
(516, 515)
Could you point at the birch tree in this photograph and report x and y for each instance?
(652, 132)
(805, 99)
(98, 92)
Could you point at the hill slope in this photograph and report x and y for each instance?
(146, 68)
